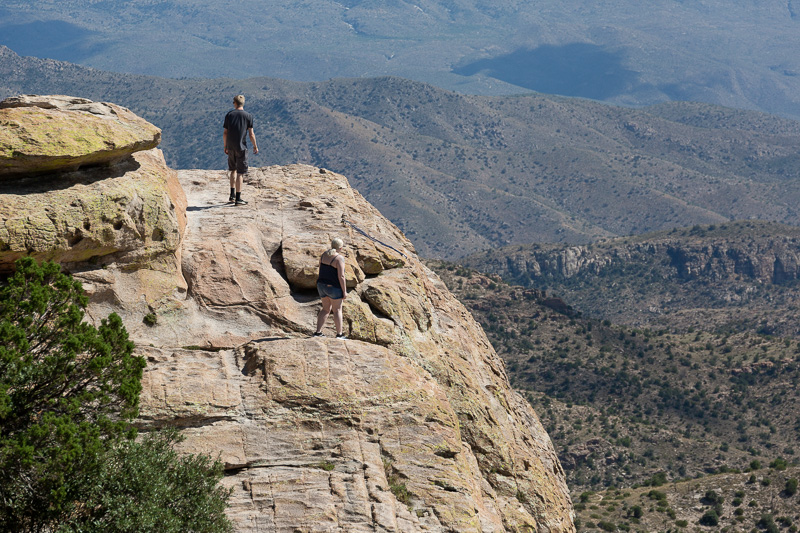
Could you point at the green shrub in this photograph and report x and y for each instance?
(710, 518)
(767, 523)
(607, 526)
(400, 492)
(396, 487)
(326, 466)
(712, 498)
(791, 487)
(779, 464)
(635, 511)
(147, 486)
(68, 391)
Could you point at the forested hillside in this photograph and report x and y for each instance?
(657, 429)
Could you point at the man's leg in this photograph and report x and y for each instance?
(241, 169)
(232, 176)
(238, 200)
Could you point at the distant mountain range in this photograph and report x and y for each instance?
(460, 174)
(741, 54)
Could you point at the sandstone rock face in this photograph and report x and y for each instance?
(52, 133)
(117, 227)
(408, 426)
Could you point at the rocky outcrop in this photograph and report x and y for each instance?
(41, 134)
(118, 226)
(410, 425)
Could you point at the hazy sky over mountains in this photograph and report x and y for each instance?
(741, 54)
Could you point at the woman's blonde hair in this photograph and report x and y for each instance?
(337, 243)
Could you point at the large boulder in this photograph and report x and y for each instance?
(40, 134)
(116, 226)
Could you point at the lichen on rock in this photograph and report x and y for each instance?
(58, 133)
(117, 226)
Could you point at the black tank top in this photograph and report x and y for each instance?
(328, 273)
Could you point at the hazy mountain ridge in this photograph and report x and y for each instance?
(464, 173)
(731, 54)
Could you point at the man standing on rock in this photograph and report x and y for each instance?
(238, 125)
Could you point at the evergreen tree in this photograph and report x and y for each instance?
(68, 392)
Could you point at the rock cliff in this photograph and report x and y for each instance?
(732, 274)
(410, 425)
(763, 252)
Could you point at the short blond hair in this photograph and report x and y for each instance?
(337, 243)
(238, 99)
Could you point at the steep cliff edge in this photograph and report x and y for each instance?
(410, 425)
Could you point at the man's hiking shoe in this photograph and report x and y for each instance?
(341, 336)
(231, 199)
(240, 202)
(318, 334)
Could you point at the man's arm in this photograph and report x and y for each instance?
(253, 139)
(225, 139)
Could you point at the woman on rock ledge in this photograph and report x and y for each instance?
(332, 288)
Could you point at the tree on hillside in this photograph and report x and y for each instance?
(68, 391)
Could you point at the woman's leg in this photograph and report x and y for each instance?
(337, 314)
(327, 304)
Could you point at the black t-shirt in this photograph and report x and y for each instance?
(237, 122)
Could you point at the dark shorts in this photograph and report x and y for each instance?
(237, 161)
(334, 292)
